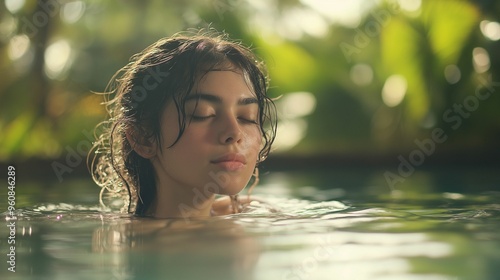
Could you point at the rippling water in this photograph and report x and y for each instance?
(434, 236)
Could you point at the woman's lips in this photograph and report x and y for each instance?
(230, 162)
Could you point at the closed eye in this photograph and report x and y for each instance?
(245, 120)
(201, 118)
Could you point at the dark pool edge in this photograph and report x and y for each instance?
(54, 169)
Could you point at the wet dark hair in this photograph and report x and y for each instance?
(166, 71)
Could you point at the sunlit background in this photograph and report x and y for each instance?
(388, 106)
(360, 81)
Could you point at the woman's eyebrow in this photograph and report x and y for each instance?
(204, 96)
(216, 99)
(248, 100)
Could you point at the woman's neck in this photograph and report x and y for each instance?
(179, 202)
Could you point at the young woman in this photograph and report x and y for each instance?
(189, 118)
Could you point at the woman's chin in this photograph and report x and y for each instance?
(230, 191)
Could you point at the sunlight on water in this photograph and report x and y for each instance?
(448, 236)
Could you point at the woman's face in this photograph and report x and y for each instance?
(218, 150)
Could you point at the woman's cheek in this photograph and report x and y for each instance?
(254, 137)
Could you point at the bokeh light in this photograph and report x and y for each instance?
(72, 11)
(490, 30)
(18, 46)
(394, 90)
(57, 57)
(14, 6)
(292, 128)
(361, 74)
(481, 60)
(452, 74)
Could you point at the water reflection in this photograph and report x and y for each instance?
(176, 249)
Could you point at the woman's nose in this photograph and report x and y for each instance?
(230, 131)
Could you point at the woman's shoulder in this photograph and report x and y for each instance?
(225, 205)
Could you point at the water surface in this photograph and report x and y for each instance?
(393, 235)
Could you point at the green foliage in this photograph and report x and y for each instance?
(43, 112)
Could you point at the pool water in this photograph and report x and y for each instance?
(392, 235)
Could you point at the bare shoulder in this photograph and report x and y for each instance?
(224, 206)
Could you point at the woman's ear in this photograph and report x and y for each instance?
(143, 146)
